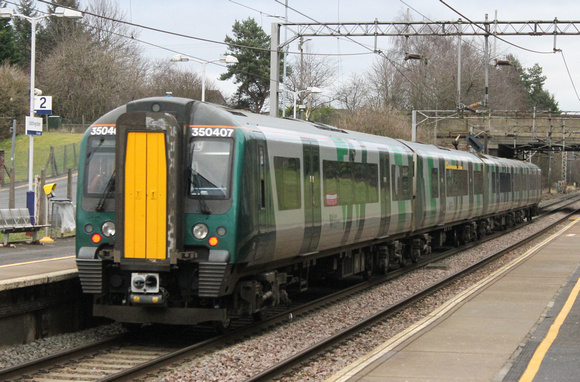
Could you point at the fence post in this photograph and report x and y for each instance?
(69, 185)
(75, 156)
(64, 159)
(2, 167)
(12, 192)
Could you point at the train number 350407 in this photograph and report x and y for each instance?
(211, 132)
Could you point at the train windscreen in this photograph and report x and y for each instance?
(210, 169)
(100, 165)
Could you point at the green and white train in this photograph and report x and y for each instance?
(190, 212)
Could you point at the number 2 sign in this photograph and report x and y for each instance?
(43, 104)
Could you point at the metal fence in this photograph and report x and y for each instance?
(62, 158)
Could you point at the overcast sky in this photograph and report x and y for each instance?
(213, 19)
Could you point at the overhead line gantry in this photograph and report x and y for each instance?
(408, 29)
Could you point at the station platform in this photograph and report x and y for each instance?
(34, 264)
(521, 323)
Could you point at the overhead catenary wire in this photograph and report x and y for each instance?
(377, 51)
(521, 47)
(368, 49)
(569, 74)
(499, 38)
(163, 31)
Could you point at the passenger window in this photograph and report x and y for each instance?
(402, 182)
(434, 183)
(350, 183)
(478, 182)
(287, 173)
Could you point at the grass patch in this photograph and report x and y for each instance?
(41, 152)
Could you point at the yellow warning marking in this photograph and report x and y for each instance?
(543, 348)
(452, 166)
(36, 261)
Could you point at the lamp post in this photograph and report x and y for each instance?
(295, 94)
(8, 13)
(229, 59)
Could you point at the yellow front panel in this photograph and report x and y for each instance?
(156, 196)
(145, 196)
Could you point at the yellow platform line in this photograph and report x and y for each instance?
(546, 343)
(36, 261)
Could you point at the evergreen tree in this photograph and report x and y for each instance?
(8, 47)
(251, 46)
(23, 29)
(539, 97)
(57, 29)
(533, 82)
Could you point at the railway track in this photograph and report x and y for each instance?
(125, 358)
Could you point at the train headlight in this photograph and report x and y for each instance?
(138, 283)
(200, 231)
(108, 228)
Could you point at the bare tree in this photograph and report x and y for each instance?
(352, 96)
(431, 81)
(91, 72)
(309, 70)
(118, 37)
(14, 98)
(87, 80)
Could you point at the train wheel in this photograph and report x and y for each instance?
(456, 241)
(222, 327)
(260, 315)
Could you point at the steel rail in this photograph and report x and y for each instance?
(33, 366)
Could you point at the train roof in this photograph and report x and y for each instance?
(212, 114)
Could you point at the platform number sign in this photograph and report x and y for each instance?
(43, 105)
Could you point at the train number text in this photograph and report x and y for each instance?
(219, 132)
(104, 130)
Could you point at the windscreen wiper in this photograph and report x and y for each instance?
(107, 192)
(203, 207)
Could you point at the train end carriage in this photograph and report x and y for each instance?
(514, 189)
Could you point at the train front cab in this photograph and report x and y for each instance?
(172, 236)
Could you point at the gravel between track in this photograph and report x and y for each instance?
(241, 360)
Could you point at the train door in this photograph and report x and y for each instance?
(442, 192)
(145, 196)
(262, 223)
(385, 193)
(312, 208)
(485, 189)
(416, 200)
(471, 190)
